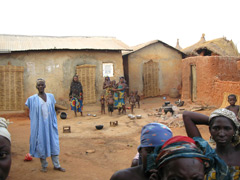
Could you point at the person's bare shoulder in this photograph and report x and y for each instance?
(227, 107)
(124, 174)
(121, 174)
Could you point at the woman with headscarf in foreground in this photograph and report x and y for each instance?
(152, 135)
(5, 149)
(183, 158)
(224, 130)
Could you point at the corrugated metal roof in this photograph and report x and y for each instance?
(140, 46)
(26, 43)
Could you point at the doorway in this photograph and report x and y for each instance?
(87, 77)
(193, 79)
(11, 88)
(150, 79)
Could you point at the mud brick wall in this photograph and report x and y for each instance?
(224, 86)
(215, 75)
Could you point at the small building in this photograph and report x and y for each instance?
(210, 71)
(23, 59)
(206, 79)
(153, 68)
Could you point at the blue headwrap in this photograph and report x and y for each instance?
(154, 134)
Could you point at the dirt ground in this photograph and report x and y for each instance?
(114, 147)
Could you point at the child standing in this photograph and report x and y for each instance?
(110, 103)
(137, 97)
(232, 99)
(132, 101)
(102, 101)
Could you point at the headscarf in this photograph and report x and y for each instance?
(185, 147)
(154, 134)
(75, 87)
(3, 128)
(179, 147)
(230, 115)
(108, 78)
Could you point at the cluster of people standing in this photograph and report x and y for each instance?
(115, 94)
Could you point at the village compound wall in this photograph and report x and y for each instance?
(57, 67)
(215, 75)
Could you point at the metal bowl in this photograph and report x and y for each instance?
(63, 115)
(98, 127)
(139, 116)
(132, 117)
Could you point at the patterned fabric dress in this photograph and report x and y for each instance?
(76, 96)
(234, 173)
(76, 103)
(119, 100)
(115, 99)
(107, 89)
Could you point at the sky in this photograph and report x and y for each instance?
(131, 21)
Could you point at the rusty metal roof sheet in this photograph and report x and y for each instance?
(10, 43)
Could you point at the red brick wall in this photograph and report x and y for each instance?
(213, 76)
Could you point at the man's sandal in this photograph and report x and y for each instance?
(59, 169)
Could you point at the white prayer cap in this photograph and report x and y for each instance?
(3, 128)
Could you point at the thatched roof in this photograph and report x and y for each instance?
(220, 46)
(141, 46)
(9, 43)
(190, 51)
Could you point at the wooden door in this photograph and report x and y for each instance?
(150, 79)
(87, 76)
(11, 88)
(193, 83)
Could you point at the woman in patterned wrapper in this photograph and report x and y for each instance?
(76, 95)
(224, 130)
(107, 85)
(119, 99)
